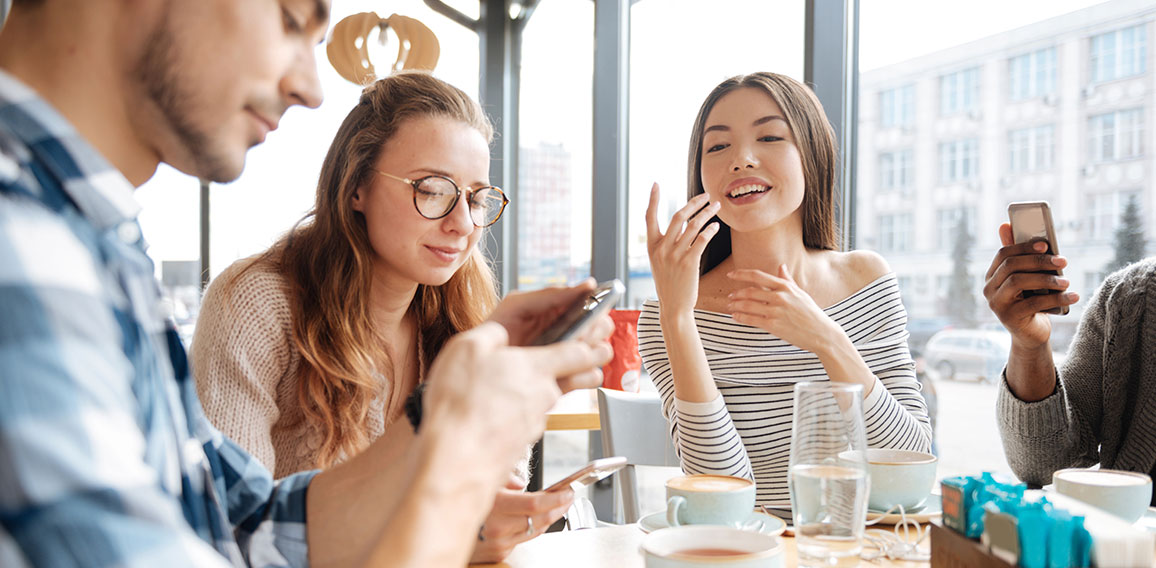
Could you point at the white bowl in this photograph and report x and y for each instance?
(899, 477)
(1125, 494)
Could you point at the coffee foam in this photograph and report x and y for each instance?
(716, 483)
(1095, 477)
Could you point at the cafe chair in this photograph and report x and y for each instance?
(633, 427)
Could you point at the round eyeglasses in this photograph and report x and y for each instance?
(435, 196)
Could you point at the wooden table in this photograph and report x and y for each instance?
(576, 410)
(616, 547)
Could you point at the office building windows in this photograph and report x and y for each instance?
(947, 223)
(1104, 213)
(959, 92)
(958, 161)
(1032, 74)
(895, 232)
(1116, 135)
(1118, 53)
(1031, 149)
(896, 170)
(897, 107)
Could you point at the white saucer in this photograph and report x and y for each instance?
(771, 525)
(932, 508)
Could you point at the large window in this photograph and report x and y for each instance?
(669, 78)
(1116, 135)
(958, 161)
(1059, 142)
(897, 107)
(1031, 149)
(555, 159)
(959, 92)
(1118, 54)
(1032, 74)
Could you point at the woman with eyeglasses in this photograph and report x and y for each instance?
(306, 353)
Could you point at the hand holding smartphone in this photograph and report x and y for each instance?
(590, 473)
(582, 313)
(1031, 221)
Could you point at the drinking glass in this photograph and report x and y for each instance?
(828, 473)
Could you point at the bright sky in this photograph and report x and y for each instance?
(680, 51)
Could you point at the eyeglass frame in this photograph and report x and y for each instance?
(457, 196)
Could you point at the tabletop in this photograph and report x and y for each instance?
(616, 547)
(575, 410)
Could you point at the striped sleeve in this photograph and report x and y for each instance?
(703, 433)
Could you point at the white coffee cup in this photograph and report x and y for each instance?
(899, 477)
(1125, 494)
(705, 545)
(708, 499)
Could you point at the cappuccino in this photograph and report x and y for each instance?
(709, 483)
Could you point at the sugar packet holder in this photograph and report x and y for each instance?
(1027, 533)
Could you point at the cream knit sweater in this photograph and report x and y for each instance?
(246, 370)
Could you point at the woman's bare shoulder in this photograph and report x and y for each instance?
(857, 268)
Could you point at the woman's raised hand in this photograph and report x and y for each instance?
(675, 255)
(779, 306)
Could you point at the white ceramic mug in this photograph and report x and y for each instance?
(698, 546)
(709, 500)
(1125, 494)
(899, 477)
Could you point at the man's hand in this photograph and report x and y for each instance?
(1016, 268)
(524, 315)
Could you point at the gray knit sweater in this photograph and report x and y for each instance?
(1104, 407)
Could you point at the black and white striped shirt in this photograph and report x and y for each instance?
(747, 431)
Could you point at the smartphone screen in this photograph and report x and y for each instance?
(1032, 220)
(579, 315)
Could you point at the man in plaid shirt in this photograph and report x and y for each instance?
(105, 456)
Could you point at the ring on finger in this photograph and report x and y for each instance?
(529, 525)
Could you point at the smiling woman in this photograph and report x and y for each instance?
(753, 298)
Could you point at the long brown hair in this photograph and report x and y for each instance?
(327, 262)
(816, 142)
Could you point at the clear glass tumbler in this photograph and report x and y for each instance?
(828, 473)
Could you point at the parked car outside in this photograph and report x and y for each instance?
(978, 354)
(919, 330)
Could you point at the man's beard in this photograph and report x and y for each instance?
(159, 72)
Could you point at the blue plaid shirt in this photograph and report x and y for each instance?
(105, 455)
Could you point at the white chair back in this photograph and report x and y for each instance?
(633, 427)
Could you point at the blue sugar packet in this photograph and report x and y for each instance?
(1033, 524)
(1060, 539)
(1081, 543)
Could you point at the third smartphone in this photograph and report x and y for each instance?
(1030, 221)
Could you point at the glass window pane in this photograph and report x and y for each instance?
(679, 52)
(555, 161)
(1066, 137)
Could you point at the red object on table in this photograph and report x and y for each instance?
(622, 372)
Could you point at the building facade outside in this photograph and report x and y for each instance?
(1061, 111)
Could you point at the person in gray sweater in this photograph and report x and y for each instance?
(1100, 407)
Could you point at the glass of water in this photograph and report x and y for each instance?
(828, 473)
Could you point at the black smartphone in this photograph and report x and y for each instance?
(1032, 221)
(579, 315)
(590, 473)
